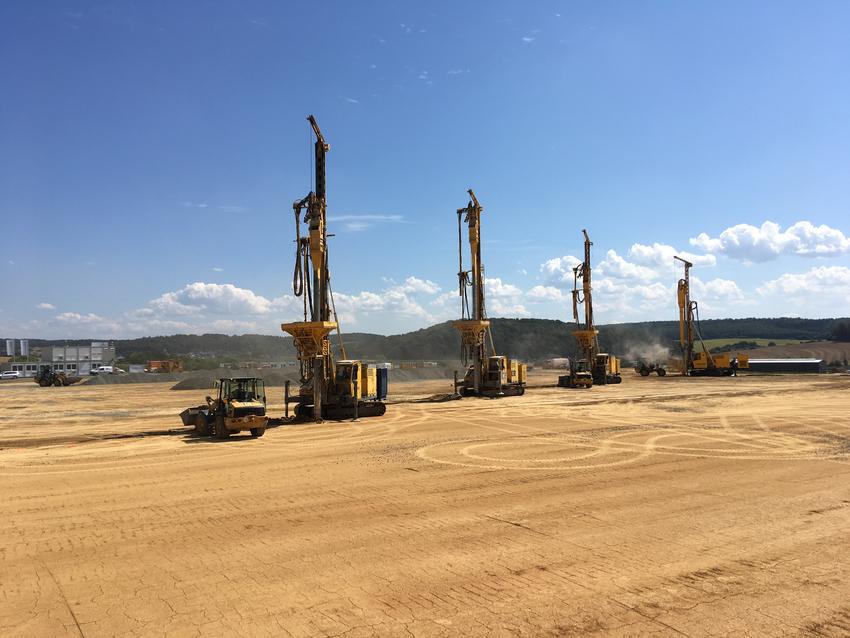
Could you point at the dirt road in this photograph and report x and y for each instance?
(698, 507)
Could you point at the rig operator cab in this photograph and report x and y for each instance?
(502, 376)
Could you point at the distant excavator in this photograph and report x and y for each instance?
(700, 363)
(592, 367)
(329, 389)
(487, 374)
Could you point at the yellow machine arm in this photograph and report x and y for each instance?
(585, 334)
(311, 279)
(474, 277)
(688, 322)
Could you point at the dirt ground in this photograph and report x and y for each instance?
(672, 507)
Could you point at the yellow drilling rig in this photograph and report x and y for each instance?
(487, 375)
(592, 366)
(700, 363)
(329, 389)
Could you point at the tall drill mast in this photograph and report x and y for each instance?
(686, 317)
(586, 335)
(473, 325)
(474, 277)
(311, 261)
(316, 218)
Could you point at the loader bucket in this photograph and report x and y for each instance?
(188, 416)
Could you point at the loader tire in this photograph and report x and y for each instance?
(644, 373)
(661, 372)
(202, 427)
(221, 432)
(257, 432)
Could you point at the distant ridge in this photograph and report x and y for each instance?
(529, 339)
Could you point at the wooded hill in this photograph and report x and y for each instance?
(528, 339)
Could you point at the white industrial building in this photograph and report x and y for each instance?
(72, 360)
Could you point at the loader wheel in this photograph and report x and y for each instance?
(221, 432)
(257, 432)
(57, 382)
(644, 373)
(662, 372)
(202, 428)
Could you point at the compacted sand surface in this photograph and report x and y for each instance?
(695, 507)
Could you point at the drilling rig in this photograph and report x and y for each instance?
(487, 374)
(592, 367)
(700, 363)
(329, 389)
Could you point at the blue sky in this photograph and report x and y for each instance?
(151, 153)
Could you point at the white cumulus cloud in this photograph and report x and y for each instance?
(769, 241)
(495, 288)
(825, 282)
(546, 293)
(558, 271)
(200, 297)
(46, 306)
(76, 317)
(416, 285)
(616, 266)
(661, 256)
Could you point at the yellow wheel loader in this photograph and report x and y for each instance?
(239, 405)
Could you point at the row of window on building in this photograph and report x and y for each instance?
(74, 360)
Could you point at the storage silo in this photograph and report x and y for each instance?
(10, 347)
(25, 347)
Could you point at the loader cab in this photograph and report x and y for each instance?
(241, 396)
(580, 375)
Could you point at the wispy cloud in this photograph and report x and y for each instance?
(398, 219)
(356, 223)
(46, 306)
(352, 100)
(455, 71)
(195, 205)
(217, 269)
(528, 38)
(355, 227)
